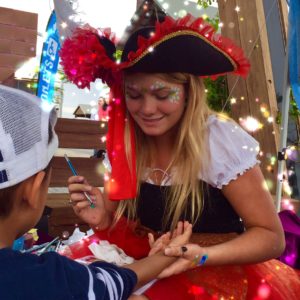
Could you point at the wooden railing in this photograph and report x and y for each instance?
(78, 135)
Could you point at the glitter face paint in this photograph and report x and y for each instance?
(173, 96)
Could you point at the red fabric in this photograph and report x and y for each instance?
(84, 58)
(124, 235)
(271, 280)
(122, 183)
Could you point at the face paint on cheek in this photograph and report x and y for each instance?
(157, 85)
(174, 96)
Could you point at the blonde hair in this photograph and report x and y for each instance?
(188, 158)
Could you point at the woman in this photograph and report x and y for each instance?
(179, 160)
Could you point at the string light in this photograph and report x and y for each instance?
(250, 124)
(166, 5)
(233, 100)
(64, 25)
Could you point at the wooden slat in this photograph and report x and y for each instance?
(63, 219)
(56, 200)
(80, 134)
(80, 126)
(88, 167)
(77, 141)
(12, 60)
(18, 34)
(6, 73)
(15, 47)
(18, 18)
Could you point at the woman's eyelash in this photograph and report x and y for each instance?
(163, 95)
(133, 96)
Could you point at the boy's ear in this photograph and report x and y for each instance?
(33, 187)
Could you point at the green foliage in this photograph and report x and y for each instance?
(205, 3)
(294, 112)
(214, 22)
(118, 55)
(217, 94)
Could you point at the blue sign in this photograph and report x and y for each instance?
(49, 61)
(294, 48)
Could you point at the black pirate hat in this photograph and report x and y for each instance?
(185, 45)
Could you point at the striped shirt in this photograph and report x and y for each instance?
(54, 277)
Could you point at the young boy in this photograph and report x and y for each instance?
(27, 145)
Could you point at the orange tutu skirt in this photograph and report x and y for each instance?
(270, 280)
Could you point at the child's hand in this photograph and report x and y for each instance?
(160, 244)
(189, 256)
(97, 216)
(182, 234)
(179, 237)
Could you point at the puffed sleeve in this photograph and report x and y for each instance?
(232, 152)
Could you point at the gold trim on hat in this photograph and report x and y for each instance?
(177, 33)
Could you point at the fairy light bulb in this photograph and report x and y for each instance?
(166, 5)
(250, 124)
(64, 25)
(233, 100)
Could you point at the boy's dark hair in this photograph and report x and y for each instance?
(7, 195)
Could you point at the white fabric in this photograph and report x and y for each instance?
(110, 253)
(232, 152)
(67, 12)
(24, 122)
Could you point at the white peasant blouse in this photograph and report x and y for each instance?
(232, 152)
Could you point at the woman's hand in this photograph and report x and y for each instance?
(189, 257)
(96, 216)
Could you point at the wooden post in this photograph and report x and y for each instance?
(248, 29)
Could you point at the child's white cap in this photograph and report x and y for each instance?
(24, 135)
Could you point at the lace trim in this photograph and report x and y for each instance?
(236, 174)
